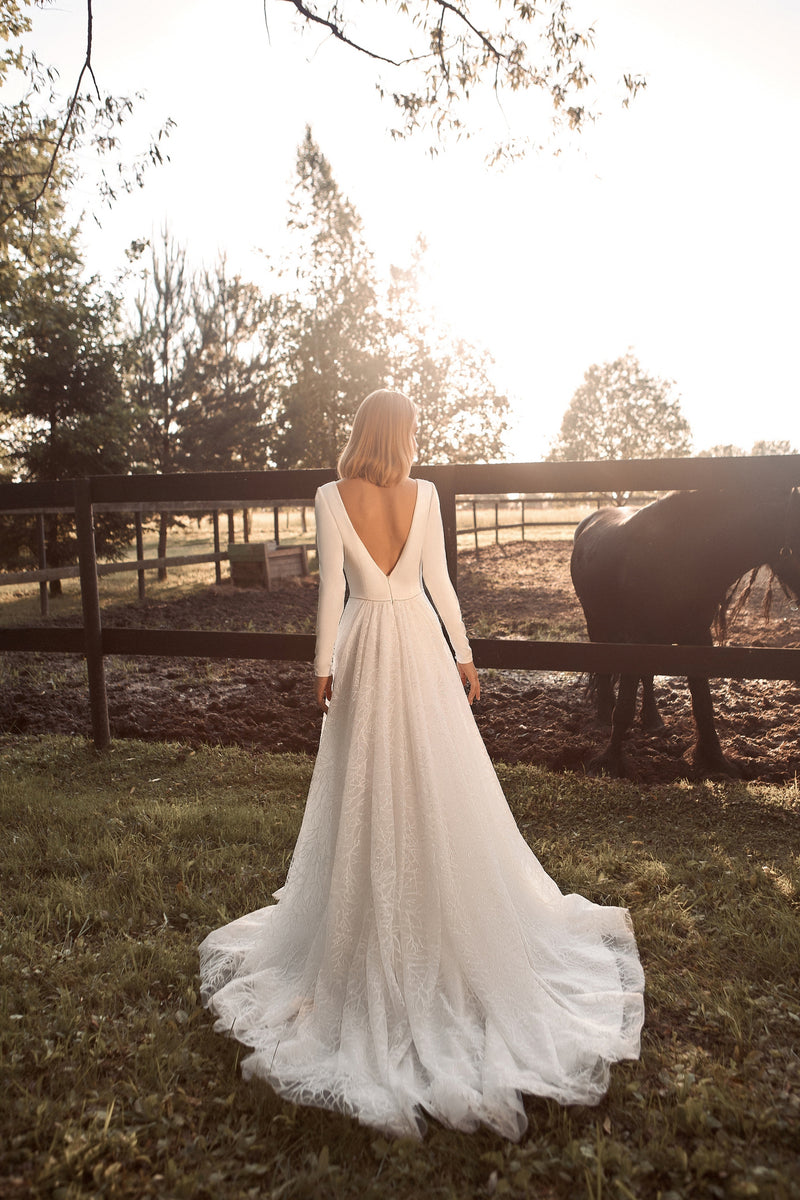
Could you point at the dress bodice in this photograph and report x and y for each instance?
(344, 557)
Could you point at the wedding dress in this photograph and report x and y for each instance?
(419, 959)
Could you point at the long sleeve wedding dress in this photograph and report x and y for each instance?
(419, 959)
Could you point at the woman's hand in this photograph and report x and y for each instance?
(324, 690)
(469, 675)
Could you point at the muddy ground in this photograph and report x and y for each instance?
(536, 717)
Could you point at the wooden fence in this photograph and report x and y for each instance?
(262, 489)
(546, 508)
(497, 526)
(44, 573)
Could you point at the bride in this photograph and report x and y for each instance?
(419, 961)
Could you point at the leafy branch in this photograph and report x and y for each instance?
(36, 139)
(454, 56)
(67, 121)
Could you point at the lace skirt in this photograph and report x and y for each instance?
(419, 959)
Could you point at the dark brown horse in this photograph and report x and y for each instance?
(662, 574)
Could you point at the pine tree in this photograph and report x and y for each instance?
(161, 348)
(224, 424)
(62, 394)
(331, 351)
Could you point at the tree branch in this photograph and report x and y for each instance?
(509, 59)
(86, 68)
(338, 33)
(462, 16)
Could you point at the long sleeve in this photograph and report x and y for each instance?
(330, 556)
(437, 581)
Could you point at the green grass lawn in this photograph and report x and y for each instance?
(115, 866)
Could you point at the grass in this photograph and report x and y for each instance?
(115, 866)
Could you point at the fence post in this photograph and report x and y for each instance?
(276, 512)
(90, 599)
(523, 518)
(140, 553)
(475, 526)
(217, 563)
(44, 597)
(496, 523)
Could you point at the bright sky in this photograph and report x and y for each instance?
(672, 228)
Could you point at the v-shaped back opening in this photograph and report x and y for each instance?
(362, 543)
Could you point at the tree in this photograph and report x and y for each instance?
(341, 335)
(451, 58)
(223, 425)
(762, 448)
(759, 450)
(163, 344)
(443, 67)
(726, 450)
(463, 417)
(27, 215)
(331, 349)
(621, 412)
(42, 132)
(163, 341)
(62, 394)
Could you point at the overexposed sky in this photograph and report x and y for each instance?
(670, 228)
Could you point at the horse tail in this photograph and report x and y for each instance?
(737, 596)
(590, 684)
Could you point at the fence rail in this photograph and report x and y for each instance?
(497, 526)
(716, 662)
(112, 568)
(226, 490)
(44, 574)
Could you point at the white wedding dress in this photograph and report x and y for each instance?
(419, 959)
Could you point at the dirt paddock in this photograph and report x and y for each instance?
(520, 590)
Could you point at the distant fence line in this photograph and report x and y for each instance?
(44, 573)
(497, 526)
(264, 489)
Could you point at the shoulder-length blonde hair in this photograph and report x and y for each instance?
(381, 445)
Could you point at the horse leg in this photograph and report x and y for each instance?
(651, 717)
(708, 754)
(612, 761)
(604, 696)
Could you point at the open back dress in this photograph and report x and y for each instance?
(419, 961)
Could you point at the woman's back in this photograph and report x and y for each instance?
(406, 542)
(381, 517)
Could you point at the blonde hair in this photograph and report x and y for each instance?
(381, 446)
